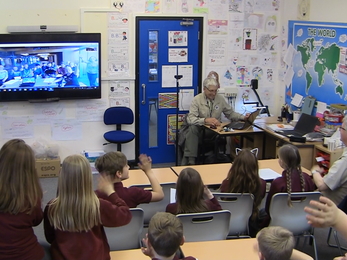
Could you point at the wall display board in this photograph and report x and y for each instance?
(319, 64)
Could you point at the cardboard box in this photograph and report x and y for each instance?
(48, 167)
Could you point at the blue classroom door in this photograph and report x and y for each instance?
(165, 47)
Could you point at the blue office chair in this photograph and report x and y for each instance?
(118, 116)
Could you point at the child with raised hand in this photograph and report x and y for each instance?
(164, 237)
(274, 243)
(292, 179)
(115, 165)
(243, 177)
(192, 196)
(74, 220)
(20, 202)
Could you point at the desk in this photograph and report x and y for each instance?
(213, 174)
(163, 175)
(272, 141)
(253, 133)
(235, 249)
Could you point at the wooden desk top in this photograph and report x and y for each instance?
(219, 130)
(164, 175)
(215, 173)
(235, 249)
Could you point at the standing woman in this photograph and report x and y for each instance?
(74, 220)
(20, 202)
(292, 180)
(192, 196)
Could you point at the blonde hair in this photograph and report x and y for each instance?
(76, 207)
(290, 156)
(20, 189)
(110, 163)
(275, 243)
(165, 233)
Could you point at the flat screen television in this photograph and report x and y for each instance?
(50, 66)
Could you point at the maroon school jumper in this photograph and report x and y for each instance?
(212, 205)
(132, 196)
(92, 244)
(17, 238)
(176, 258)
(280, 185)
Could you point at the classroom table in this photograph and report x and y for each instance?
(137, 176)
(253, 133)
(213, 174)
(233, 249)
(272, 141)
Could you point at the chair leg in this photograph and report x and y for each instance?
(119, 147)
(338, 245)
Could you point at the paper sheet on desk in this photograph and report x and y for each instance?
(172, 195)
(267, 174)
(279, 127)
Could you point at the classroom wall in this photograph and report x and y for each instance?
(64, 12)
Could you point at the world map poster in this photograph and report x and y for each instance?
(319, 62)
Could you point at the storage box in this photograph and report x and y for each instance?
(48, 167)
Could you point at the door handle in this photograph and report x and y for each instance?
(143, 94)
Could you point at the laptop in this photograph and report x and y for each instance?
(305, 124)
(240, 125)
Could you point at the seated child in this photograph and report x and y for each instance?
(164, 237)
(192, 196)
(115, 164)
(274, 243)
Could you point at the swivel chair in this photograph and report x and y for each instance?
(118, 116)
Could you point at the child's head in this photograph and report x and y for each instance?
(243, 176)
(114, 164)
(244, 168)
(20, 190)
(290, 160)
(275, 243)
(165, 234)
(190, 192)
(75, 195)
(289, 157)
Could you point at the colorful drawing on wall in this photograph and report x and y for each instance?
(171, 127)
(250, 39)
(152, 6)
(243, 76)
(167, 100)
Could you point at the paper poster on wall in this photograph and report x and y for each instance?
(243, 76)
(216, 51)
(67, 129)
(178, 38)
(249, 39)
(171, 127)
(178, 55)
(119, 88)
(219, 27)
(185, 98)
(46, 113)
(187, 75)
(119, 101)
(90, 110)
(118, 20)
(168, 76)
(17, 127)
(167, 100)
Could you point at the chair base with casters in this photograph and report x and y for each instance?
(128, 236)
(293, 217)
(205, 226)
(241, 207)
(118, 116)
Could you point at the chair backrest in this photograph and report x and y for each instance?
(292, 218)
(118, 116)
(153, 207)
(128, 236)
(205, 226)
(241, 206)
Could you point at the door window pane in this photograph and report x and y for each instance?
(153, 56)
